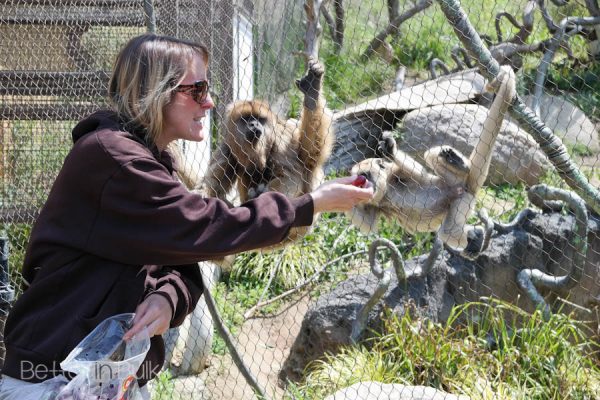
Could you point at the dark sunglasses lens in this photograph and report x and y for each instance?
(199, 92)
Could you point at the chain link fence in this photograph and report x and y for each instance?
(383, 302)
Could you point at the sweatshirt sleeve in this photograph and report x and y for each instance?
(181, 286)
(145, 216)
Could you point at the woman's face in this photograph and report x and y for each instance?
(183, 117)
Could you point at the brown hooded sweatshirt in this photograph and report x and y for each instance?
(116, 227)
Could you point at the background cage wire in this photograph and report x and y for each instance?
(325, 313)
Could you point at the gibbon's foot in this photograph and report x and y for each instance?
(454, 158)
(386, 147)
(311, 83)
(506, 78)
(475, 241)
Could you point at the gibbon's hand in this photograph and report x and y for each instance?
(341, 194)
(153, 313)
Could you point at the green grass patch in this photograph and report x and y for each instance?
(490, 359)
(163, 386)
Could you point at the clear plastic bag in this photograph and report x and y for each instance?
(105, 364)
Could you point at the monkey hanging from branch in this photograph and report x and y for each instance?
(258, 152)
(442, 201)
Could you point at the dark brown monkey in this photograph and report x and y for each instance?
(258, 152)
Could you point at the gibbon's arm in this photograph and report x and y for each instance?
(221, 175)
(315, 126)
(482, 153)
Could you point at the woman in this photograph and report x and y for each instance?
(119, 233)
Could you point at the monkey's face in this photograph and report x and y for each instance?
(251, 128)
(377, 171)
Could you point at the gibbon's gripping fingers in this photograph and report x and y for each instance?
(311, 83)
(386, 147)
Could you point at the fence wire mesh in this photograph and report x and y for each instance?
(489, 287)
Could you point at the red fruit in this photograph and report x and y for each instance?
(360, 181)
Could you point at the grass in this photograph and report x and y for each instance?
(163, 386)
(485, 360)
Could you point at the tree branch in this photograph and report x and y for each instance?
(394, 27)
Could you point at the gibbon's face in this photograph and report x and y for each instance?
(251, 127)
(365, 215)
(184, 117)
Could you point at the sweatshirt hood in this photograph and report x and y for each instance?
(111, 121)
(104, 119)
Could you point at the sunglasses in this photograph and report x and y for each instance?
(197, 90)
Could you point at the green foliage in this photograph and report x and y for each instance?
(577, 82)
(163, 386)
(486, 360)
(507, 191)
(579, 149)
(231, 310)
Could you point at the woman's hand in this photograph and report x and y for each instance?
(341, 194)
(153, 313)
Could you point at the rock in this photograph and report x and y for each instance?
(328, 323)
(542, 242)
(458, 87)
(516, 157)
(358, 129)
(494, 273)
(567, 121)
(391, 391)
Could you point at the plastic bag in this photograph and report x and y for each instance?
(105, 364)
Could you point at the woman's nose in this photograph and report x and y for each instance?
(208, 103)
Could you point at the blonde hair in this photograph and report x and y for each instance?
(145, 75)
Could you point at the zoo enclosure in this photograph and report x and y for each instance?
(55, 62)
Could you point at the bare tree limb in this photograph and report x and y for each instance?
(466, 61)
(437, 63)
(338, 38)
(592, 6)
(329, 21)
(557, 41)
(550, 24)
(510, 19)
(394, 27)
(393, 9)
(313, 27)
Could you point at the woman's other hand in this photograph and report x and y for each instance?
(154, 313)
(341, 194)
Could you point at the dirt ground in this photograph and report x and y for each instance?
(264, 344)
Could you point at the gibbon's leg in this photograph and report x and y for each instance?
(221, 175)
(481, 156)
(454, 230)
(316, 137)
(449, 164)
